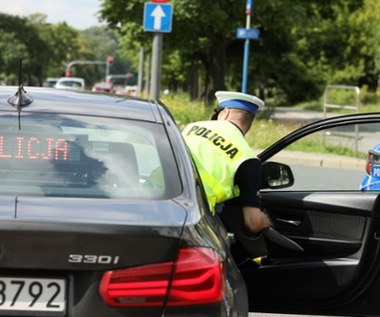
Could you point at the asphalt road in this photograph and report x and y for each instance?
(292, 115)
(336, 178)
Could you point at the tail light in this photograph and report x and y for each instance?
(368, 166)
(373, 158)
(198, 278)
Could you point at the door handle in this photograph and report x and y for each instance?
(294, 223)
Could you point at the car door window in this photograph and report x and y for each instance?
(335, 159)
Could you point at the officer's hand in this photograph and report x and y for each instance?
(255, 220)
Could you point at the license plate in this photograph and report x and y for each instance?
(32, 295)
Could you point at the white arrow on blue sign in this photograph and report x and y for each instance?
(158, 17)
(244, 33)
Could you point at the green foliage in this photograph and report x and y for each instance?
(265, 131)
(44, 48)
(342, 97)
(336, 42)
(10, 49)
(19, 39)
(317, 145)
(303, 45)
(372, 9)
(185, 110)
(47, 49)
(201, 32)
(67, 45)
(106, 42)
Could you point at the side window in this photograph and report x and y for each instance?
(342, 158)
(150, 168)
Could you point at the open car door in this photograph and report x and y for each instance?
(314, 197)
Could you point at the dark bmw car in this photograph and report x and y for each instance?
(102, 214)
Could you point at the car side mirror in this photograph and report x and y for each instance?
(276, 175)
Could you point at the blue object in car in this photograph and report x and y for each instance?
(371, 180)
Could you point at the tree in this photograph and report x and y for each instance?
(19, 39)
(199, 34)
(303, 45)
(106, 42)
(44, 48)
(66, 44)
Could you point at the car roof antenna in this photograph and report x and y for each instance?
(21, 98)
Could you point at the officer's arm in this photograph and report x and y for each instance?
(255, 220)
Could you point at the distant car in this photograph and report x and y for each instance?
(371, 180)
(130, 90)
(102, 87)
(50, 82)
(123, 84)
(71, 83)
(103, 214)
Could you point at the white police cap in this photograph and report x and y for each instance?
(238, 100)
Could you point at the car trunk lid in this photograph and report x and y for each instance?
(62, 234)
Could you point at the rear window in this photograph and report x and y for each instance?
(81, 156)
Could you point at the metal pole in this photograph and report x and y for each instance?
(141, 72)
(147, 75)
(72, 63)
(107, 71)
(155, 80)
(248, 9)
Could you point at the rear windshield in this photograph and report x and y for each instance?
(81, 156)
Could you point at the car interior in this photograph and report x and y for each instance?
(320, 249)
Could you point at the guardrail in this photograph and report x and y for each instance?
(355, 106)
(326, 104)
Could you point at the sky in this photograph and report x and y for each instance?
(79, 14)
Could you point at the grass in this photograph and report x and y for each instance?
(265, 131)
(185, 110)
(369, 101)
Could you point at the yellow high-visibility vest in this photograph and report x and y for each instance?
(218, 148)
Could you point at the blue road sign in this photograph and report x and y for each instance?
(158, 17)
(244, 33)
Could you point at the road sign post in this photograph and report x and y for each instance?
(157, 19)
(141, 72)
(155, 77)
(247, 34)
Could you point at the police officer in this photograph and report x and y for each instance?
(229, 170)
